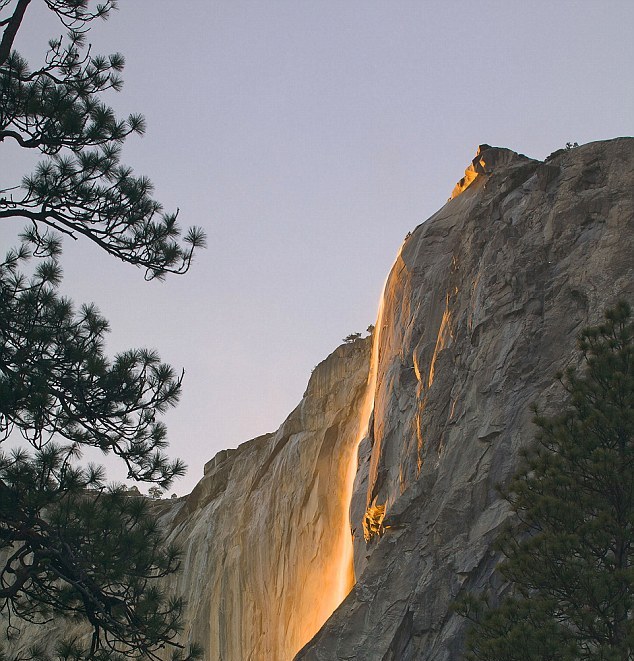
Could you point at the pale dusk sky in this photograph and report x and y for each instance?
(308, 138)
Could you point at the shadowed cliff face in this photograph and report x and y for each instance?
(481, 308)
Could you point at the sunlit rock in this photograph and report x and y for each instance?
(486, 160)
(265, 531)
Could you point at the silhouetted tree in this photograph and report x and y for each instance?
(80, 189)
(569, 555)
(68, 544)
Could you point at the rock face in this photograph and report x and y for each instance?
(264, 530)
(481, 308)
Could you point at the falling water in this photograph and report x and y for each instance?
(346, 576)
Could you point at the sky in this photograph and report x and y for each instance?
(307, 138)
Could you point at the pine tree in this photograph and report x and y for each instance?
(80, 189)
(569, 555)
(69, 545)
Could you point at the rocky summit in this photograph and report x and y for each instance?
(349, 532)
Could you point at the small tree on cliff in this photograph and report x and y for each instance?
(569, 559)
(69, 545)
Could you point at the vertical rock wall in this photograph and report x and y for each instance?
(482, 307)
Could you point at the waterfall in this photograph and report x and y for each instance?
(346, 577)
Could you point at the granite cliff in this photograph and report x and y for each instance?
(376, 497)
(481, 308)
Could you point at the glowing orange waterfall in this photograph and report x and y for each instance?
(346, 576)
